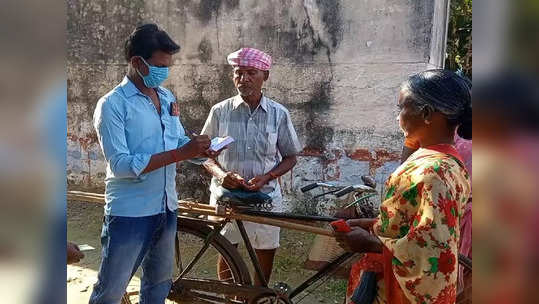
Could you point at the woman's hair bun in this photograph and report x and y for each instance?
(465, 123)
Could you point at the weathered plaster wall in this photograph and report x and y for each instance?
(337, 68)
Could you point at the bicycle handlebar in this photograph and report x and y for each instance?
(340, 189)
(309, 187)
(344, 191)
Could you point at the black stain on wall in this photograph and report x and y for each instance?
(421, 26)
(293, 23)
(315, 42)
(301, 42)
(226, 84)
(207, 8)
(231, 4)
(194, 109)
(318, 135)
(300, 46)
(204, 50)
(95, 37)
(332, 19)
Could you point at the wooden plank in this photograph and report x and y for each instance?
(192, 207)
(283, 224)
(86, 197)
(261, 220)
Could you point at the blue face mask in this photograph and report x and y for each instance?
(155, 77)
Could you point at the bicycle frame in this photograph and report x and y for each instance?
(244, 291)
(327, 269)
(217, 227)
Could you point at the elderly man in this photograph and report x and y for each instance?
(265, 148)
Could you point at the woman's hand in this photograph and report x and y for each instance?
(359, 240)
(365, 223)
(348, 213)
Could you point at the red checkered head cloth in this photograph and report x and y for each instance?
(250, 57)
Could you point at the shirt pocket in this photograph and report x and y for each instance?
(271, 143)
(225, 130)
(172, 132)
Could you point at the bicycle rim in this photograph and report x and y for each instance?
(192, 236)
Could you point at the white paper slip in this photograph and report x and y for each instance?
(220, 142)
(85, 247)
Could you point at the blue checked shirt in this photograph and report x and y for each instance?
(261, 139)
(130, 130)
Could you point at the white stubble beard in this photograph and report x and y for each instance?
(245, 92)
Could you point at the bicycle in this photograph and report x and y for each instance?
(199, 285)
(203, 285)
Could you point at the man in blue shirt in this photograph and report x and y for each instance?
(139, 131)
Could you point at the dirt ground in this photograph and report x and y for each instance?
(84, 227)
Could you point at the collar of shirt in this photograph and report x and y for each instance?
(238, 101)
(130, 89)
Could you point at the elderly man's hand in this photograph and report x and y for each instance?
(232, 181)
(256, 183)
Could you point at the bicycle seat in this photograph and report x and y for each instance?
(238, 197)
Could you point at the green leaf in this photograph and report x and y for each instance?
(390, 192)
(404, 231)
(385, 224)
(411, 194)
(433, 265)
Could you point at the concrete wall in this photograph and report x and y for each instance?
(337, 68)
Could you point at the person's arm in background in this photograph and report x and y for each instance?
(74, 255)
(110, 128)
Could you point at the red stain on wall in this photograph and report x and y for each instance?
(311, 152)
(329, 159)
(360, 154)
(375, 158)
(84, 141)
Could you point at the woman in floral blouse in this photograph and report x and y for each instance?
(412, 247)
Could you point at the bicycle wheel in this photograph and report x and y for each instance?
(192, 236)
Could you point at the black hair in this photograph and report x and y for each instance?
(446, 92)
(146, 39)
